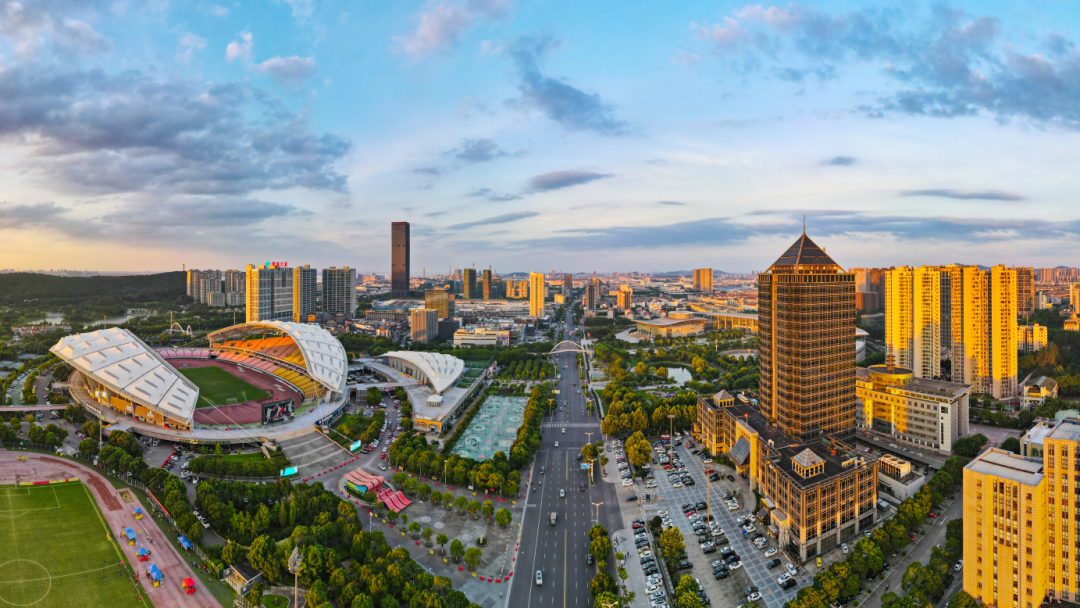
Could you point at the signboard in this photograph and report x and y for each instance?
(276, 411)
(288, 471)
(585, 467)
(356, 446)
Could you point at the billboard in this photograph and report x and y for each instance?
(276, 411)
(356, 446)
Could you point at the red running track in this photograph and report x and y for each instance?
(247, 412)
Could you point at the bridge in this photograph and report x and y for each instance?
(568, 346)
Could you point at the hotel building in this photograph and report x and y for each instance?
(269, 292)
(894, 401)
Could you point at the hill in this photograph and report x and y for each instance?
(43, 290)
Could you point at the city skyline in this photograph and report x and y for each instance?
(685, 136)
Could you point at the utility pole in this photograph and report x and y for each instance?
(294, 567)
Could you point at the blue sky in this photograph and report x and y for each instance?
(536, 136)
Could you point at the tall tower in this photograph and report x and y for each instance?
(269, 292)
(305, 284)
(468, 284)
(399, 260)
(536, 294)
(339, 291)
(1025, 290)
(487, 283)
(913, 318)
(703, 279)
(567, 284)
(806, 304)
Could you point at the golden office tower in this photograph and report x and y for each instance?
(806, 312)
(703, 279)
(536, 294)
(913, 318)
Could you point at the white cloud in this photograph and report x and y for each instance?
(728, 35)
(189, 43)
(301, 9)
(442, 23)
(240, 50)
(289, 70)
(219, 11)
(686, 58)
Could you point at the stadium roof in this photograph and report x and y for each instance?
(324, 357)
(118, 359)
(442, 370)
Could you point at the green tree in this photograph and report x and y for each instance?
(672, 544)
(472, 557)
(687, 584)
(414, 528)
(448, 500)
(457, 550)
(638, 450)
(488, 509)
(961, 599)
(426, 535)
(1012, 444)
(689, 600)
(460, 504)
(502, 517)
(255, 595)
(232, 553)
(441, 540)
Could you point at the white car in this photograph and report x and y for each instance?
(753, 597)
(556, 444)
(652, 588)
(844, 548)
(791, 569)
(735, 566)
(783, 577)
(627, 482)
(562, 493)
(539, 578)
(771, 552)
(959, 566)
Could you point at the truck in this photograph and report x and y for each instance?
(554, 517)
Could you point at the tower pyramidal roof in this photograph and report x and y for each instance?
(804, 252)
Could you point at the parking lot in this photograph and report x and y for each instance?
(728, 592)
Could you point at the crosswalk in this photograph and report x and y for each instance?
(570, 425)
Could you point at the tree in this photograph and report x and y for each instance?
(374, 396)
(426, 535)
(597, 531)
(502, 517)
(970, 446)
(686, 584)
(255, 595)
(424, 491)
(448, 500)
(1012, 444)
(414, 528)
(638, 450)
(457, 550)
(690, 600)
(441, 540)
(472, 557)
(263, 556)
(672, 543)
(600, 548)
(488, 509)
(461, 503)
(232, 553)
(961, 599)
(607, 599)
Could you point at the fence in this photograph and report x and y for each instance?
(236, 477)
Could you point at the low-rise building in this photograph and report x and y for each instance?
(479, 336)
(897, 478)
(671, 326)
(1072, 323)
(1035, 392)
(931, 413)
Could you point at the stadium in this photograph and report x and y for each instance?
(250, 373)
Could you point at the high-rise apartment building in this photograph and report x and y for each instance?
(1025, 290)
(1074, 296)
(703, 279)
(1031, 338)
(982, 322)
(516, 289)
(423, 325)
(199, 281)
(440, 300)
(486, 283)
(567, 284)
(913, 318)
(869, 281)
(537, 293)
(399, 260)
(807, 347)
(305, 292)
(339, 291)
(269, 292)
(207, 286)
(592, 294)
(625, 297)
(235, 281)
(469, 284)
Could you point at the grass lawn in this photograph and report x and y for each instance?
(55, 552)
(217, 386)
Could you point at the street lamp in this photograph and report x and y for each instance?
(294, 567)
(671, 436)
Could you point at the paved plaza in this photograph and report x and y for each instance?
(494, 427)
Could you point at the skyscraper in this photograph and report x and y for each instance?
(305, 286)
(423, 325)
(567, 283)
(913, 318)
(487, 283)
(469, 284)
(536, 294)
(984, 329)
(399, 260)
(235, 281)
(703, 279)
(625, 297)
(269, 292)
(198, 280)
(440, 300)
(1025, 290)
(806, 304)
(339, 291)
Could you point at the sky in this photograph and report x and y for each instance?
(536, 136)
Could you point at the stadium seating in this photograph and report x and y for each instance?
(184, 353)
(260, 353)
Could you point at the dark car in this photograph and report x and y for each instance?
(949, 580)
(731, 559)
(730, 478)
(631, 498)
(721, 540)
(702, 539)
(788, 584)
(750, 589)
(702, 505)
(588, 559)
(719, 574)
(772, 564)
(727, 550)
(687, 506)
(689, 482)
(685, 565)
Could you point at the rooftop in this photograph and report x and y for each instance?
(1001, 463)
(923, 386)
(1067, 429)
(666, 321)
(803, 252)
(442, 370)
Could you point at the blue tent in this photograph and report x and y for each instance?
(185, 543)
(143, 551)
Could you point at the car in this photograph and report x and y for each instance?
(653, 588)
(631, 498)
(735, 565)
(867, 534)
(959, 566)
(564, 432)
(783, 577)
(539, 578)
(562, 494)
(655, 595)
(750, 589)
(719, 574)
(638, 525)
(791, 569)
(819, 562)
(771, 552)
(772, 563)
(949, 580)
(588, 559)
(788, 584)
(844, 548)
(556, 444)
(685, 565)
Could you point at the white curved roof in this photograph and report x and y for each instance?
(442, 370)
(324, 356)
(118, 359)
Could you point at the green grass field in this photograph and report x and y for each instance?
(218, 387)
(54, 552)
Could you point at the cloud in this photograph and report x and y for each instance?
(23, 216)
(442, 23)
(62, 26)
(491, 196)
(727, 36)
(291, 71)
(92, 132)
(672, 203)
(427, 170)
(219, 11)
(189, 43)
(563, 179)
(685, 58)
(200, 212)
(434, 214)
(477, 150)
(985, 195)
(240, 50)
(570, 107)
(498, 219)
(301, 9)
(839, 161)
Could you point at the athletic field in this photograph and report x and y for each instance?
(54, 552)
(219, 387)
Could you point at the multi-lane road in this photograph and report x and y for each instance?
(559, 551)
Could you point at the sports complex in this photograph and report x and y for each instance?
(262, 374)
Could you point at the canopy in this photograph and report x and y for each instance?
(143, 551)
(137, 510)
(187, 582)
(154, 572)
(185, 543)
(130, 533)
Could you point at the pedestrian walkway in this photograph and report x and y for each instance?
(313, 454)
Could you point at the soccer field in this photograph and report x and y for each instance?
(219, 387)
(54, 552)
